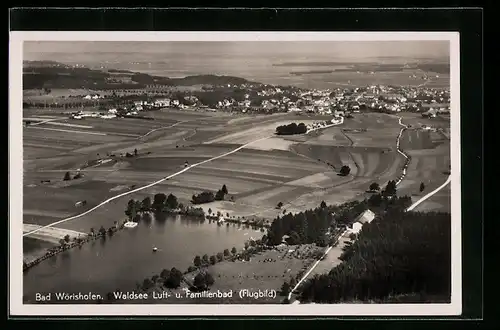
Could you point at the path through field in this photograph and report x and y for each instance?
(143, 187)
(151, 184)
(421, 200)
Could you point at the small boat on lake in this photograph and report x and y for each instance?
(130, 224)
(155, 249)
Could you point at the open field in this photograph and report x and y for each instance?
(440, 202)
(300, 171)
(247, 135)
(60, 95)
(52, 235)
(430, 161)
(416, 120)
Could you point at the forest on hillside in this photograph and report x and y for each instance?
(36, 77)
(397, 254)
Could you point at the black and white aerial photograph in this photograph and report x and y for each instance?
(250, 171)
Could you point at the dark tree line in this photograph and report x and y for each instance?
(384, 203)
(291, 129)
(398, 253)
(345, 170)
(348, 212)
(305, 227)
(203, 197)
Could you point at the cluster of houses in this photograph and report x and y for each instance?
(130, 110)
(93, 97)
(381, 98)
(338, 119)
(337, 102)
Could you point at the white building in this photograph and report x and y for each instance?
(356, 228)
(365, 217)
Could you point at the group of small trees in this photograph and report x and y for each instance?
(345, 170)
(65, 240)
(305, 227)
(205, 260)
(287, 287)
(203, 280)
(385, 203)
(208, 196)
(171, 279)
(102, 232)
(390, 189)
(160, 203)
(203, 197)
(291, 129)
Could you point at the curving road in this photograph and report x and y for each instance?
(429, 195)
(153, 183)
(401, 151)
(160, 128)
(413, 206)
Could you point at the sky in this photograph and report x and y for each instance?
(275, 51)
(252, 60)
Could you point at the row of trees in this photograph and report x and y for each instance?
(314, 226)
(382, 202)
(208, 196)
(205, 260)
(305, 227)
(161, 203)
(390, 189)
(345, 170)
(291, 129)
(398, 253)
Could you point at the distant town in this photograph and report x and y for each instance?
(137, 95)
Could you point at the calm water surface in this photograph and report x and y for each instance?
(118, 262)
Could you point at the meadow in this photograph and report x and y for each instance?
(299, 172)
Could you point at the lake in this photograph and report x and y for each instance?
(120, 261)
